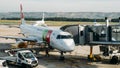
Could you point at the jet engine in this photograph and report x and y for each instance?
(20, 44)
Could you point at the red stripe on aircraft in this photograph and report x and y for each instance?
(48, 36)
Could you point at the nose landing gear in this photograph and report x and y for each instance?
(62, 58)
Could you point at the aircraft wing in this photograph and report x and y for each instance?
(19, 38)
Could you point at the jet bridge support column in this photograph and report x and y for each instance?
(92, 57)
(108, 30)
(91, 51)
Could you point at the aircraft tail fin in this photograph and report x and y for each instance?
(22, 14)
(43, 17)
(41, 22)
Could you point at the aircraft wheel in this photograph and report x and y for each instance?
(47, 52)
(25, 66)
(62, 58)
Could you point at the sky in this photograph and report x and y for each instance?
(60, 5)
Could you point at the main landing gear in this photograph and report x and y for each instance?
(61, 58)
(91, 57)
(47, 52)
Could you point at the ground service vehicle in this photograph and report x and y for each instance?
(114, 56)
(23, 58)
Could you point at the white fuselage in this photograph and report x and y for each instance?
(58, 39)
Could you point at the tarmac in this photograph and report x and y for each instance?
(75, 59)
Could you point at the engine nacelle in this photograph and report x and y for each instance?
(20, 44)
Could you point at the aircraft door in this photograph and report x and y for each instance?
(81, 35)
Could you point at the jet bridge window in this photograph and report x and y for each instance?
(64, 37)
(81, 33)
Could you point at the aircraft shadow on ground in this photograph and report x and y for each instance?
(69, 62)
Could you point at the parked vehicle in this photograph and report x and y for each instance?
(23, 58)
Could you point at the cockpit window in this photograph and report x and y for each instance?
(64, 37)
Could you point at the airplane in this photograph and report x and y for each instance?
(40, 22)
(55, 38)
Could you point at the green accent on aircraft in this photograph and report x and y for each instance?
(44, 35)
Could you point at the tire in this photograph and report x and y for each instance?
(4, 64)
(28, 66)
(62, 58)
(25, 66)
(114, 60)
(35, 65)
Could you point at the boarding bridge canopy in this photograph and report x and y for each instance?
(90, 34)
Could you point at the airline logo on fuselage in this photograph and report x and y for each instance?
(46, 35)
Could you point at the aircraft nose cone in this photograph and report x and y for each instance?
(70, 48)
(70, 45)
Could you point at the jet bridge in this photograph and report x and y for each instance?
(96, 35)
(78, 32)
(90, 34)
